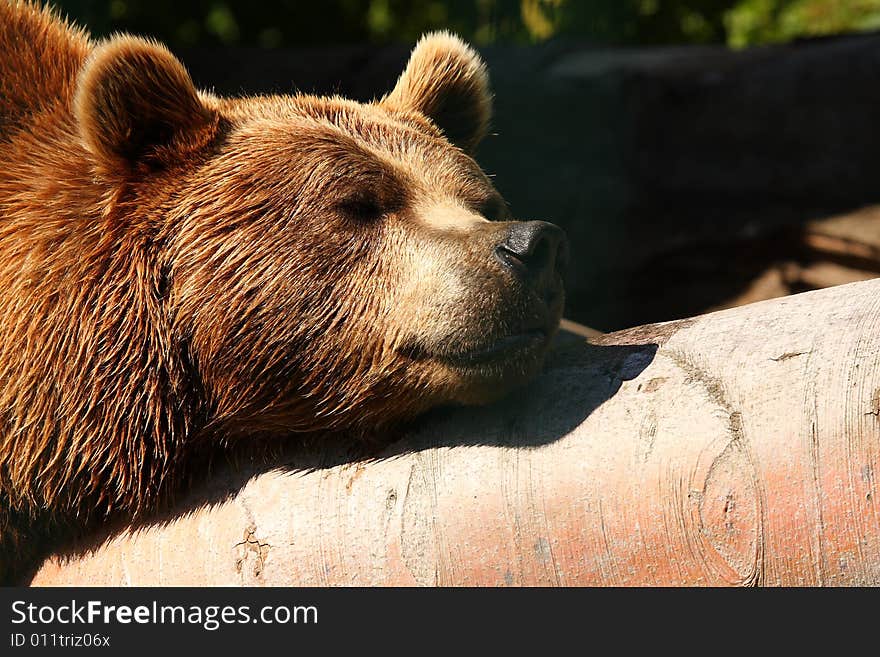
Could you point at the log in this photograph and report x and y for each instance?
(736, 448)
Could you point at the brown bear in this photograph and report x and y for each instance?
(181, 272)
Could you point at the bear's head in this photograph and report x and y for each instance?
(323, 263)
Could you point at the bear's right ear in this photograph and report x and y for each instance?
(135, 104)
(446, 80)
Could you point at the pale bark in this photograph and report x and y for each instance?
(740, 447)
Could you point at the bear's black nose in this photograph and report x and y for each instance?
(536, 249)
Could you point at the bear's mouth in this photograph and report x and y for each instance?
(505, 348)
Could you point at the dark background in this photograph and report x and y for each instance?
(271, 24)
(700, 154)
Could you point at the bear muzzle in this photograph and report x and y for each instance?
(533, 256)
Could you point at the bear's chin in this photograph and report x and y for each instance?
(485, 375)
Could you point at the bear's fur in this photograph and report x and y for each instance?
(180, 271)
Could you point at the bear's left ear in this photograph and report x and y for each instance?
(136, 104)
(446, 81)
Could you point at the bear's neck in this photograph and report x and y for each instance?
(97, 404)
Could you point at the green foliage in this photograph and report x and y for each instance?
(769, 21)
(303, 22)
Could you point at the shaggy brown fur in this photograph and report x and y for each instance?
(179, 271)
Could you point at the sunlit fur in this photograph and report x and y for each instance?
(179, 270)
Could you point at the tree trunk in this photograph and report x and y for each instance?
(736, 448)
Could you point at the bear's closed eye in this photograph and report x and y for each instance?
(364, 206)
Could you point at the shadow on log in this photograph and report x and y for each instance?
(736, 448)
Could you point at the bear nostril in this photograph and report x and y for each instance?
(534, 248)
(510, 258)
